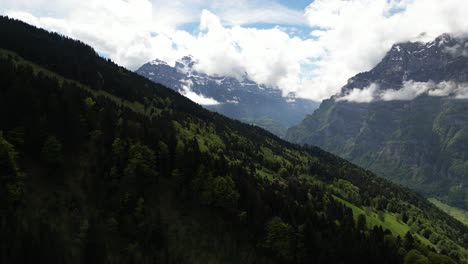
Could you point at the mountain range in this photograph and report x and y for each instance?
(406, 119)
(241, 99)
(101, 165)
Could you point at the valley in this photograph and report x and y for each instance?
(113, 162)
(459, 214)
(411, 127)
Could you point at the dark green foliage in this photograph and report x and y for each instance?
(404, 217)
(8, 157)
(221, 192)
(146, 176)
(11, 189)
(141, 161)
(361, 222)
(415, 257)
(51, 152)
(280, 239)
(439, 259)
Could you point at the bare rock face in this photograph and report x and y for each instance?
(444, 59)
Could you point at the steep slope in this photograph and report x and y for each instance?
(406, 119)
(99, 165)
(243, 99)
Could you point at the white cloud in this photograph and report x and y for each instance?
(347, 36)
(365, 95)
(269, 56)
(450, 88)
(120, 29)
(197, 98)
(357, 33)
(409, 91)
(132, 32)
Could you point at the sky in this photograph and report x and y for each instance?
(304, 48)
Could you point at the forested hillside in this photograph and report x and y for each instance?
(100, 165)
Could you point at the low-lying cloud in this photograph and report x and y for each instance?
(197, 98)
(409, 91)
(365, 95)
(458, 50)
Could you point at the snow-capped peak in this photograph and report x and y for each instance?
(158, 62)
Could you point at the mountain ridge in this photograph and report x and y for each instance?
(443, 59)
(405, 119)
(238, 98)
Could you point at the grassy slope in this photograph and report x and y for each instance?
(390, 221)
(458, 213)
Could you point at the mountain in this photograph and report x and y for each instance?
(242, 99)
(100, 165)
(406, 119)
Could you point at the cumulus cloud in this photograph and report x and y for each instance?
(365, 95)
(120, 30)
(346, 36)
(197, 98)
(356, 34)
(409, 91)
(133, 32)
(268, 56)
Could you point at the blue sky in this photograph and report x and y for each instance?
(297, 30)
(295, 4)
(300, 31)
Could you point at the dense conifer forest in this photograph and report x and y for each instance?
(100, 165)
